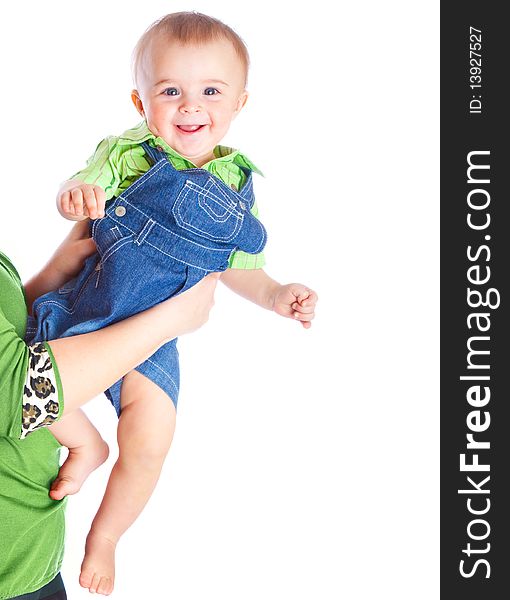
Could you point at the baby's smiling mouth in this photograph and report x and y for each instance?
(190, 128)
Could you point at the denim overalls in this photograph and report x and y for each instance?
(158, 238)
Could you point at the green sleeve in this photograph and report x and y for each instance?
(56, 372)
(243, 260)
(103, 167)
(14, 355)
(14, 363)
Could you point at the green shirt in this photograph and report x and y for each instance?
(120, 161)
(31, 523)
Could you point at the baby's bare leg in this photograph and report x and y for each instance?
(87, 450)
(145, 431)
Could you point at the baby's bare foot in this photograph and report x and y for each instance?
(77, 467)
(98, 566)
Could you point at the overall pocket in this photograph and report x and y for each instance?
(207, 212)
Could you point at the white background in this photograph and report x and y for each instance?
(305, 463)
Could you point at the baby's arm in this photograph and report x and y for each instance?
(293, 300)
(77, 200)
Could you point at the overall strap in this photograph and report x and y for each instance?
(247, 190)
(153, 153)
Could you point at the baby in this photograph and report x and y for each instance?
(168, 206)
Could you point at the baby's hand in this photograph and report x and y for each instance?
(77, 201)
(296, 301)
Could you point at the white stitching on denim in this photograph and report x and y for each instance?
(112, 250)
(123, 225)
(70, 311)
(209, 210)
(145, 177)
(116, 233)
(183, 262)
(231, 206)
(167, 374)
(147, 228)
(117, 246)
(264, 236)
(151, 152)
(206, 191)
(135, 208)
(249, 196)
(95, 225)
(215, 250)
(178, 201)
(64, 290)
(189, 227)
(222, 192)
(248, 186)
(211, 183)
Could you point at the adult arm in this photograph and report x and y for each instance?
(90, 363)
(81, 367)
(66, 262)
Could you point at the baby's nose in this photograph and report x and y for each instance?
(190, 107)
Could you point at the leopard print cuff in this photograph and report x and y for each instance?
(40, 396)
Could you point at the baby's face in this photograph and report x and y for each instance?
(189, 95)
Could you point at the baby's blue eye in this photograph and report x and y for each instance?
(171, 91)
(210, 91)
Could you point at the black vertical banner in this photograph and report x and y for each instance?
(475, 301)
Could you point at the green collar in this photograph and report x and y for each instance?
(223, 154)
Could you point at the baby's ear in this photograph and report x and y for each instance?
(241, 101)
(137, 101)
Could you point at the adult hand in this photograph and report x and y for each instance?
(131, 341)
(68, 258)
(190, 310)
(66, 262)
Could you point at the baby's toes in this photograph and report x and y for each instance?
(86, 579)
(96, 580)
(105, 586)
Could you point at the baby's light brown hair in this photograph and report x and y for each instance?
(188, 28)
